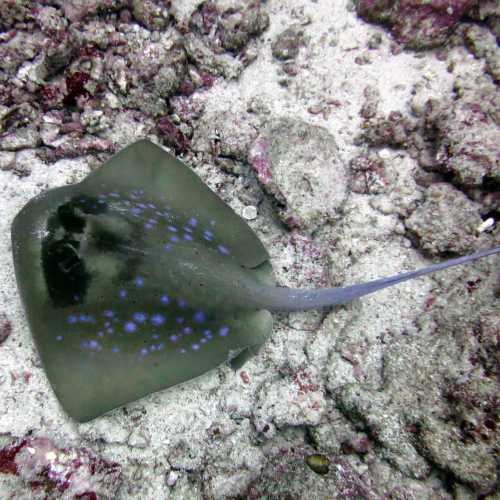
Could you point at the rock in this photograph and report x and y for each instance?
(446, 222)
(297, 401)
(206, 60)
(369, 174)
(152, 14)
(77, 472)
(139, 438)
(7, 160)
(417, 24)
(467, 134)
(299, 165)
(241, 22)
(383, 420)
(287, 44)
(318, 463)
(21, 138)
(470, 463)
(5, 328)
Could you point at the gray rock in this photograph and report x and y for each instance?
(21, 138)
(206, 60)
(446, 221)
(51, 20)
(299, 165)
(296, 401)
(470, 462)
(468, 134)
(240, 22)
(6, 160)
(383, 421)
(139, 438)
(152, 14)
(287, 44)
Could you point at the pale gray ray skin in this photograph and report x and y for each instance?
(140, 278)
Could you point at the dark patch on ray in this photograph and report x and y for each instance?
(140, 278)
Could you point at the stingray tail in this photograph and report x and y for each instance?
(286, 299)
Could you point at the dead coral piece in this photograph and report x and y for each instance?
(417, 24)
(238, 26)
(229, 26)
(73, 148)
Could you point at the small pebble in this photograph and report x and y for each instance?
(249, 212)
(318, 463)
(172, 478)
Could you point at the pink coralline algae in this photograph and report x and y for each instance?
(258, 156)
(75, 471)
(173, 135)
(75, 86)
(417, 24)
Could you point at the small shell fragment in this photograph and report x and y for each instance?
(486, 225)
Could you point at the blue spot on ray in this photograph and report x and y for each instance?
(140, 317)
(199, 317)
(157, 319)
(130, 327)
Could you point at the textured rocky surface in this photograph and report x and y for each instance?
(352, 157)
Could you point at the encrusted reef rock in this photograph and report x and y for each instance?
(446, 222)
(467, 134)
(417, 24)
(60, 472)
(299, 165)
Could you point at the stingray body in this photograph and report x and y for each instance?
(140, 278)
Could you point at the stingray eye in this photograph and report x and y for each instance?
(67, 258)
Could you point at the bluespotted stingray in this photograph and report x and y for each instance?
(139, 278)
